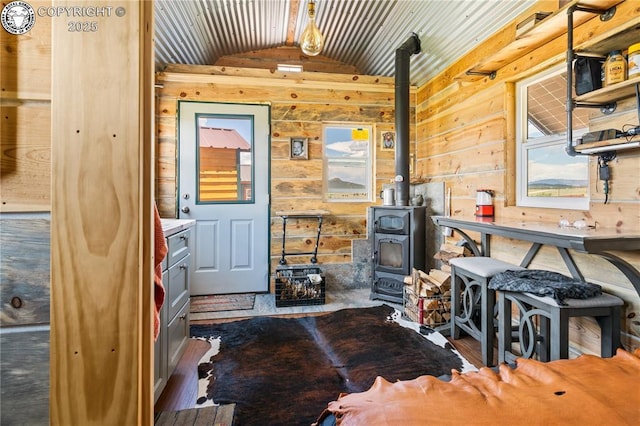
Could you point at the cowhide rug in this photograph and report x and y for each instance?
(284, 371)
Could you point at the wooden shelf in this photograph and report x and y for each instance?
(611, 93)
(551, 27)
(620, 41)
(610, 145)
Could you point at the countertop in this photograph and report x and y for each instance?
(173, 226)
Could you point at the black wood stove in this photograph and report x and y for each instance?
(398, 246)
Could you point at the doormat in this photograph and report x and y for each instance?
(222, 302)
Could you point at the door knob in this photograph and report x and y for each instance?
(185, 209)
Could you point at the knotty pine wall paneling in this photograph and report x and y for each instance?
(466, 139)
(101, 221)
(300, 104)
(25, 132)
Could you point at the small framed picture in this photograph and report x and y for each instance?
(388, 141)
(298, 149)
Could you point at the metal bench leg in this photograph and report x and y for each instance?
(609, 332)
(542, 345)
(455, 303)
(487, 329)
(559, 339)
(504, 327)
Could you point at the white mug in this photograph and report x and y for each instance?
(388, 197)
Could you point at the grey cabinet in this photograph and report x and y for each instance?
(174, 315)
(160, 373)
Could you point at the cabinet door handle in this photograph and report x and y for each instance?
(184, 266)
(183, 316)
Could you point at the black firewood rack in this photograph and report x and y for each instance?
(304, 214)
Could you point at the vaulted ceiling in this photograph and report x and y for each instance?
(360, 33)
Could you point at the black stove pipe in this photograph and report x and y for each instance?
(403, 53)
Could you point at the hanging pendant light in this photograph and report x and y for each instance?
(312, 40)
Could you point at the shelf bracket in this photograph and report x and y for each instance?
(607, 108)
(608, 14)
(605, 15)
(490, 74)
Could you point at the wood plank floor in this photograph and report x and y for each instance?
(181, 391)
(218, 415)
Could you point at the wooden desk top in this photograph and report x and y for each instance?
(588, 240)
(598, 241)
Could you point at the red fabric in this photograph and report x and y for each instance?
(160, 251)
(588, 390)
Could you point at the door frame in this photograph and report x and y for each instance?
(268, 159)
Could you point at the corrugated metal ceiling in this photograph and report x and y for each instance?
(362, 33)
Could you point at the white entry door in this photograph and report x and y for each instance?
(224, 186)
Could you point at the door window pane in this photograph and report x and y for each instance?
(224, 159)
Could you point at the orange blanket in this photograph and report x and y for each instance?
(587, 390)
(160, 251)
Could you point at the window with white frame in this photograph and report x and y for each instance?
(546, 175)
(348, 162)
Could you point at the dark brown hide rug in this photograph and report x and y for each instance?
(284, 371)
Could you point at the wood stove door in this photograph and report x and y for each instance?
(392, 254)
(388, 287)
(391, 221)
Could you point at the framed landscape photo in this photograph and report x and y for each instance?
(348, 158)
(388, 141)
(298, 149)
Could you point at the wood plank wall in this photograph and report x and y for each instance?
(100, 371)
(102, 226)
(24, 336)
(270, 58)
(300, 103)
(466, 139)
(25, 165)
(25, 83)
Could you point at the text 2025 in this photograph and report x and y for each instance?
(82, 26)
